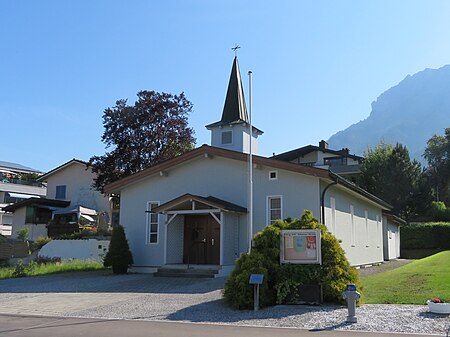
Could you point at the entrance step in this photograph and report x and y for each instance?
(192, 272)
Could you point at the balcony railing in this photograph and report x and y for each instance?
(20, 182)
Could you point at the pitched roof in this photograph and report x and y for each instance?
(301, 151)
(210, 201)
(60, 167)
(210, 151)
(17, 167)
(36, 202)
(206, 150)
(234, 109)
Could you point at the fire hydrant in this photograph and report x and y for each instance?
(351, 295)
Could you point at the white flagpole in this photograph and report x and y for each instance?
(250, 208)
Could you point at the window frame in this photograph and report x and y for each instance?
(59, 187)
(149, 223)
(269, 209)
(276, 175)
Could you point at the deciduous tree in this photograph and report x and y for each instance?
(152, 130)
(437, 155)
(389, 173)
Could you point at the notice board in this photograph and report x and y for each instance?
(301, 246)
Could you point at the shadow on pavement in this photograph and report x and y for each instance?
(106, 282)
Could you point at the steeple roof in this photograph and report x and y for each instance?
(234, 109)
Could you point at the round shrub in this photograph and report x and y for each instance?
(238, 293)
(281, 282)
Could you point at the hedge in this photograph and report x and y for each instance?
(426, 236)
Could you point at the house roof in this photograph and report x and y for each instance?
(36, 202)
(210, 201)
(17, 167)
(210, 151)
(394, 218)
(302, 151)
(45, 176)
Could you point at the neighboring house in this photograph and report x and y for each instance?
(69, 197)
(17, 183)
(338, 161)
(193, 209)
(73, 182)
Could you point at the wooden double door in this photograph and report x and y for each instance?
(201, 240)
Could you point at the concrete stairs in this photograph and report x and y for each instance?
(183, 271)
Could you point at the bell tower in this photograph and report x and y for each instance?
(232, 132)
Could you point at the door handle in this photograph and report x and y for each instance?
(212, 242)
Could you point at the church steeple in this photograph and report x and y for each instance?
(232, 131)
(234, 109)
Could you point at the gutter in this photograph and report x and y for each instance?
(322, 200)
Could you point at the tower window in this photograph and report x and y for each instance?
(227, 137)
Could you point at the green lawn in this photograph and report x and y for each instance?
(413, 283)
(52, 268)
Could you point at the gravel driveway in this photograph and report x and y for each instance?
(143, 297)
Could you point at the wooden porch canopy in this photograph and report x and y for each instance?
(195, 204)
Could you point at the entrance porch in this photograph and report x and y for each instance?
(201, 231)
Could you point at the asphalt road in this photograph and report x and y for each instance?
(35, 326)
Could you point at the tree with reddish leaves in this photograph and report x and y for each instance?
(152, 130)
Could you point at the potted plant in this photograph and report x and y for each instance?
(439, 305)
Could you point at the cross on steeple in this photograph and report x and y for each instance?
(235, 48)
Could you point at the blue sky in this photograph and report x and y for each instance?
(317, 65)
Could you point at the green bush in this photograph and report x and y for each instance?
(119, 256)
(22, 270)
(238, 293)
(281, 282)
(426, 236)
(40, 242)
(22, 233)
(439, 211)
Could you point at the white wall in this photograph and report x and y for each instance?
(89, 249)
(240, 138)
(362, 241)
(222, 178)
(391, 239)
(79, 190)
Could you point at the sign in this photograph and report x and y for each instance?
(256, 279)
(301, 246)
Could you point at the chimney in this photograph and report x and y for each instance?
(345, 151)
(323, 144)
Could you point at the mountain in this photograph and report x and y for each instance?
(408, 113)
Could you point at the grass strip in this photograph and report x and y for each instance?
(35, 269)
(414, 283)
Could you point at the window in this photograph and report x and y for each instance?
(274, 207)
(60, 192)
(352, 223)
(335, 161)
(273, 175)
(152, 222)
(227, 137)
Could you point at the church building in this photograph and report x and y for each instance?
(193, 210)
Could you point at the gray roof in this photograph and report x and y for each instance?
(17, 167)
(234, 109)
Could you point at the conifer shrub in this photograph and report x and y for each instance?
(281, 282)
(119, 256)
